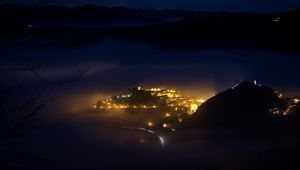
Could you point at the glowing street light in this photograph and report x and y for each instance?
(168, 115)
(149, 124)
(165, 125)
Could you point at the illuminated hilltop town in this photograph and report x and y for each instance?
(168, 103)
(151, 98)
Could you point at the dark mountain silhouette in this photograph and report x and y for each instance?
(90, 15)
(174, 29)
(245, 106)
(260, 31)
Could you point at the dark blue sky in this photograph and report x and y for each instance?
(226, 5)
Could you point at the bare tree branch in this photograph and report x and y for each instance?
(39, 101)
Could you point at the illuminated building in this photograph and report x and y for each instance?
(296, 100)
(280, 95)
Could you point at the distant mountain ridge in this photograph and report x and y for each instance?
(172, 29)
(90, 15)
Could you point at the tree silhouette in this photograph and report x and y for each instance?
(31, 106)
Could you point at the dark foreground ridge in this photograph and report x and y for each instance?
(247, 105)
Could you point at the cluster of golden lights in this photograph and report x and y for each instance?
(174, 100)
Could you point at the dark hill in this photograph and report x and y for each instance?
(259, 31)
(12, 15)
(245, 105)
(83, 16)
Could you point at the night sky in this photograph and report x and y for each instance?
(210, 5)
